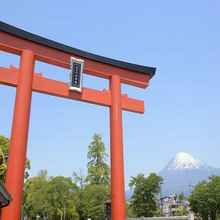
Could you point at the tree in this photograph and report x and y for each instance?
(36, 197)
(181, 197)
(129, 211)
(80, 181)
(62, 197)
(94, 189)
(146, 189)
(98, 169)
(4, 146)
(180, 211)
(51, 198)
(4, 143)
(94, 198)
(205, 198)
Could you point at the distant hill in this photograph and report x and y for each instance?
(183, 172)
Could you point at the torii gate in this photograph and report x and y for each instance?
(30, 48)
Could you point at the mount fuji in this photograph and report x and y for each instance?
(183, 172)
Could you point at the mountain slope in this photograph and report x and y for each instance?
(183, 172)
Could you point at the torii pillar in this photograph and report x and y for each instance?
(31, 48)
(117, 160)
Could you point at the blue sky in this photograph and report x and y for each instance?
(180, 38)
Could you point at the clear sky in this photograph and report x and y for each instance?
(180, 38)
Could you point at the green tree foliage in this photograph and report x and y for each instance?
(63, 196)
(129, 211)
(4, 143)
(80, 181)
(35, 197)
(146, 189)
(52, 198)
(94, 198)
(98, 169)
(4, 146)
(95, 191)
(181, 197)
(180, 211)
(205, 199)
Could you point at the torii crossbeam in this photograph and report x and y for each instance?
(32, 48)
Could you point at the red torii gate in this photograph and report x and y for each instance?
(31, 47)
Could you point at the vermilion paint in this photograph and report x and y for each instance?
(117, 161)
(8, 76)
(19, 136)
(49, 55)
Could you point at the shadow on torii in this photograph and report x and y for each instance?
(30, 48)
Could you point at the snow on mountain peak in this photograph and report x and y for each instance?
(184, 161)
